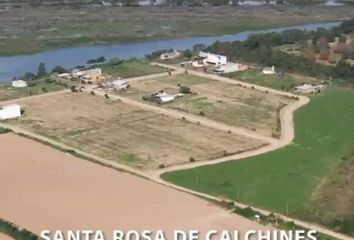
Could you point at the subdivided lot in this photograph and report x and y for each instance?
(219, 101)
(53, 190)
(126, 134)
(35, 87)
(282, 81)
(310, 179)
(129, 68)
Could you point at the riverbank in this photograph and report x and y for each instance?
(15, 66)
(32, 30)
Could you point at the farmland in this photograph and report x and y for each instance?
(309, 179)
(35, 87)
(31, 30)
(129, 68)
(222, 102)
(126, 134)
(282, 81)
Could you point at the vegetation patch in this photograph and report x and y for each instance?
(16, 232)
(284, 180)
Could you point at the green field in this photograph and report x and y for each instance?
(129, 68)
(283, 81)
(296, 178)
(35, 87)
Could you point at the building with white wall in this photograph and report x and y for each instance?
(10, 111)
(210, 58)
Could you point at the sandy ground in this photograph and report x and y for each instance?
(47, 189)
(4, 237)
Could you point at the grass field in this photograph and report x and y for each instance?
(282, 81)
(222, 102)
(296, 178)
(35, 87)
(124, 133)
(129, 68)
(36, 29)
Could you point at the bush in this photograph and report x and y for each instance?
(185, 90)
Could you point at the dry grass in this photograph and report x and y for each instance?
(126, 134)
(226, 103)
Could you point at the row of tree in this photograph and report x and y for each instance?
(260, 49)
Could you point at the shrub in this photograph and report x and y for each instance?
(185, 90)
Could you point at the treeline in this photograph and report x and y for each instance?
(16, 232)
(259, 48)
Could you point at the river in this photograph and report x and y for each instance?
(13, 66)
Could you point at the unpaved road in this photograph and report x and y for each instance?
(48, 189)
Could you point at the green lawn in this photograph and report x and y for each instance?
(284, 180)
(34, 87)
(283, 81)
(130, 68)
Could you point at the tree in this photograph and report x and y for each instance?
(29, 76)
(42, 72)
(185, 90)
(59, 69)
(187, 54)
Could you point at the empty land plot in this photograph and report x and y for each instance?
(126, 134)
(63, 192)
(219, 101)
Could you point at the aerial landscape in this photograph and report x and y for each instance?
(194, 119)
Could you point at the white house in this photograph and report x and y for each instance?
(269, 71)
(163, 97)
(10, 111)
(80, 73)
(120, 84)
(210, 58)
(227, 68)
(170, 55)
(307, 88)
(19, 83)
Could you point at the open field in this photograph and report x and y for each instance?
(222, 102)
(294, 179)
(35, 29)
(282, 81)
(129, 68)
(95, 197)
(4, 237)
(35, 87)
(125, 133)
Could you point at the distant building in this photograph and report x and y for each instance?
(106, 3)
(86, 73)
(227, 68)
(269, 70)
(170, 55)
(120, 84)
(334, 3)
(309, 89)
(10, 111)
(19, 84)
(210, 58)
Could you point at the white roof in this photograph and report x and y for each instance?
(119, 82)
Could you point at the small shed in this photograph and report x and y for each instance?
(19, 84)
(269, 70)
(10, 111)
